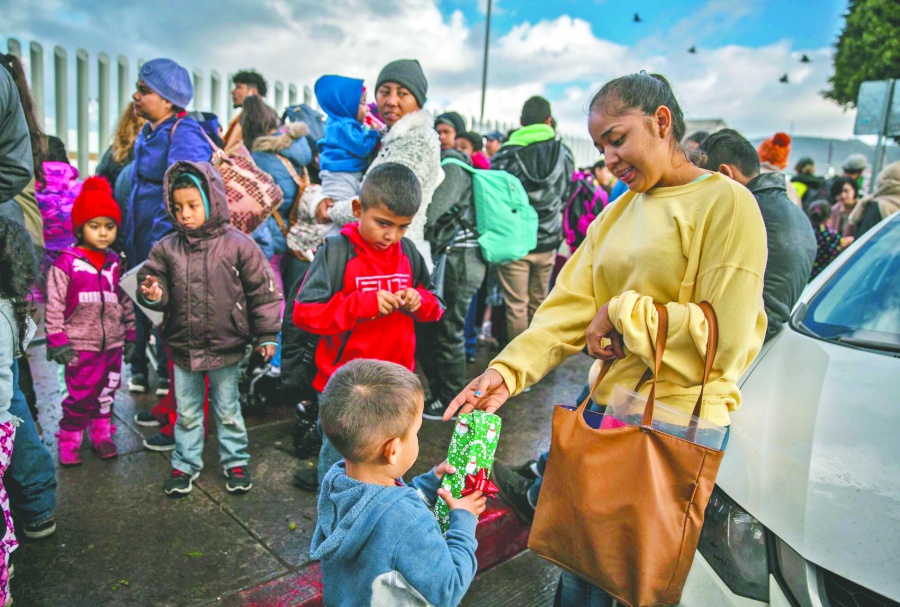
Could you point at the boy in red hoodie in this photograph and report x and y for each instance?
(386, 287)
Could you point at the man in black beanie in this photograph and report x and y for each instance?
(544, 165)
(449, 126)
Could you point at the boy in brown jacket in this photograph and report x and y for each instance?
(218, 294)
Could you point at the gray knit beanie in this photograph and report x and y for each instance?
(407, 73)
(168, 80)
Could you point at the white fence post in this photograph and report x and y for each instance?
(81, 102)
(37, 80)
(215, 92)
(61, 93)
(103, 102)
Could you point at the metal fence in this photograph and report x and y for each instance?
(102, 76)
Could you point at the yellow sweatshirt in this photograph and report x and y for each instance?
(704, 241)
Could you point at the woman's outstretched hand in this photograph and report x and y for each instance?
(602, 327)
(488, 392)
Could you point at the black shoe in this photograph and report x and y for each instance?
(434, 411)
(514, 490)
(307, 479)
(238, 480)
(160, 442)
(138, 383)
(146, 418)
(162, 386)
(40, 530)
(528, 470)
(470, 358)
(180, 484)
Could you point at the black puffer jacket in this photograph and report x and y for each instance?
(219, 292)
(544, 168)
(792, 248)
(452, 207)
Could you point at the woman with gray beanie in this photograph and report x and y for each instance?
(162, 91)
(410, 140)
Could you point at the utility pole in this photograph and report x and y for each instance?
(487, 43)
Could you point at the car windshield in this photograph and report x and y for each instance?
(860, 305)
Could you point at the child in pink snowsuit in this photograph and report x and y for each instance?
(89, 321)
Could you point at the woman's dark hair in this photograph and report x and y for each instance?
(257, 119)
(19, 273)
(474, 138)
(838, 184)
(251, 78)
(643, 92)
(819, 212)
(56, 150)
(35, 132)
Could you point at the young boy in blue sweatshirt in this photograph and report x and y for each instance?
(376, 536)
(345, 151)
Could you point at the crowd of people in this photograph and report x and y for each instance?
(370, 267)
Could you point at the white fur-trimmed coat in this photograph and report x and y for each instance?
(414, 143)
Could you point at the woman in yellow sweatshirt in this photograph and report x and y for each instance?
(679, 236)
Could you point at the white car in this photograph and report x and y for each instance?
(806, 511)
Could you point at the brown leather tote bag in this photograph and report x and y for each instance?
(623, 508)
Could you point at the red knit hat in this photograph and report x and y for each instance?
(776, 150)
(95, 200)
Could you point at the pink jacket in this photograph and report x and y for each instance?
(85, 308)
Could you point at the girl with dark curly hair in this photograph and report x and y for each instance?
(16, 330)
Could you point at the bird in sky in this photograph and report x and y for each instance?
(784, 79)
(693, 50)
(637, 18)
(805, 59)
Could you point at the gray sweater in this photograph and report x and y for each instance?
(16, 164)
(9, 351)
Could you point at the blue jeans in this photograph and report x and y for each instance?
(30, 479)
(472, 327)
(190, 388)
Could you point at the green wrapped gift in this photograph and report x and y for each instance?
(472, 448)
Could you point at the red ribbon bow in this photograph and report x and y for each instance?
(479, 482)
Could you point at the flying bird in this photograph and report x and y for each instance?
(784, 79)
(693, 50)
(805, 59)
(637, 18)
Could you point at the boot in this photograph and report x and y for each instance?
(101, 431)
(70, 447)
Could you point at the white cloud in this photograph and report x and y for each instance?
(561, 58)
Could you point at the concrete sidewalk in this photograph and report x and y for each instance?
(121, 541)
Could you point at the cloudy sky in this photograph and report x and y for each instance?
(563, 49)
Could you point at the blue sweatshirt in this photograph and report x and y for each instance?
(347, 144)
(381, 546)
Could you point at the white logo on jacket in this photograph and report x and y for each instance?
(391, 283)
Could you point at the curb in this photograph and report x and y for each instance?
(500, 533)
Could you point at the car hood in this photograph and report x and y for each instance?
(814, 454)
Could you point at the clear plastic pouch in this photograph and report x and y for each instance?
(626, 408)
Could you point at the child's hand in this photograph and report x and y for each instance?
(410, 300)
(387, 302)
(444, 468)
(267, 352)
(474, 502)
(62, 354)
(321, 212)
(150, 289)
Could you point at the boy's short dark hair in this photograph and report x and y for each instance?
(251, 78)
(535, 111)
(366, 403)
(393, 186)
(729, 147)
(474, 138)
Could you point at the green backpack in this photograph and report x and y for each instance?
(506, 223)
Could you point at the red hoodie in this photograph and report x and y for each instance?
(348, 322)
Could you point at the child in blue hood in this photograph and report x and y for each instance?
(376, 536)
(346, 149)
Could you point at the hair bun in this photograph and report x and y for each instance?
(781, 139)
(99, 184)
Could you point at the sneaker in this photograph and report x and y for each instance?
(162, 386)
(514, 490)
(160, 442)
(138, 383)
(239, 480)
(180, 483)
(307, 479)
(434, 411)
(528, 470)
(40, 530)
(146, 418)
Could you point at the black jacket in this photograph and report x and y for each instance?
(544, 168)
(792, 248)
(452, 206)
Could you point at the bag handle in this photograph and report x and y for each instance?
(662, 331)
(712, 346)
(302, 183)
